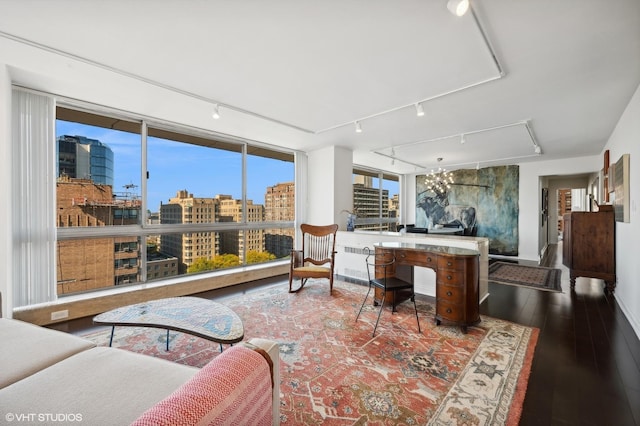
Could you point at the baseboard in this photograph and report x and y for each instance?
(633, 321)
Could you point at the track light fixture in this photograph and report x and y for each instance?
(537, 149)
(419, 110)
(358, 127)
(216, 112)
(458, 7)
(462, 139)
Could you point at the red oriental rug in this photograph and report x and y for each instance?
(333, 372)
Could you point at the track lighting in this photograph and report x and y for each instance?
(358, 127)
(458, 7)
(478, 166)
(537, 149)
(419, 110)
(462, 139)
(216, 112)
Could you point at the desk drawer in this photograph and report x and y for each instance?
(451, 294)
(450, 277)
(416, 258)
(449, 311)
(446, 262)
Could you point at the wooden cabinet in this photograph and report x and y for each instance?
(588, 246)
(457, 278)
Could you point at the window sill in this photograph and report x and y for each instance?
(87, 304)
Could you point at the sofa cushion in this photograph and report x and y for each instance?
(102, 385)
(29, 348)
(234, 388)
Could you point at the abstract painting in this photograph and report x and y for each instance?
(484, 202)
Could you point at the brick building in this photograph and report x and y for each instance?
(89, 264)
(280, 205)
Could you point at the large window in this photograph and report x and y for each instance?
(140, 201)
(375, 200)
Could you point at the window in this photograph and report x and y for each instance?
(202, 203)
(375, 200)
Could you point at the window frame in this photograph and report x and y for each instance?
(381, 222)
(76, 111)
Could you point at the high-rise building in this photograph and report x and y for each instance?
(366, 205)
(185, 208)
(89, 264)
(366, 181)
(85, 158)
(235, 242)
(279, 205)
(394, 206)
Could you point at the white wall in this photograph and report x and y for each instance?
(343, 186)
(5, 190)
(319, 207)
(330, 172)
(625, 139)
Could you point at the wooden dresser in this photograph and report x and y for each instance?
(589, 246)
(457, 278)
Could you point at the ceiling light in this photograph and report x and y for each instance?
(537, 149)
(358, 127)
(478, 166)
(458, 7)
(419, 110)
(462, 139)
(216, 112)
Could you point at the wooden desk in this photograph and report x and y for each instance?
(457, 278)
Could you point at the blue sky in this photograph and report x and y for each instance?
(204, 172)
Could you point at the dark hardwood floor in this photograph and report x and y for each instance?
(586, 367)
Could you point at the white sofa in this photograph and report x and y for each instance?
(49, 376)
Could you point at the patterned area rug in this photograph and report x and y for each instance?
(537, 277)
(333, 372)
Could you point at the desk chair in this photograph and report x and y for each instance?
(381, 264)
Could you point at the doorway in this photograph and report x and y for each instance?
(570, 200)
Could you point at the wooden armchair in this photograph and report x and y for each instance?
(317, 257)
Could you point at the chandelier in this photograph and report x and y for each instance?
(439, 182)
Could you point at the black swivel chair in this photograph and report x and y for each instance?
(386, 282)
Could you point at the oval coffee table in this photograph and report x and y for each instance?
(192, 315)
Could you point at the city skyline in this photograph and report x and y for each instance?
(174, 157)
(168, 159)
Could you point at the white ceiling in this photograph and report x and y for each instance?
(562, 74)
